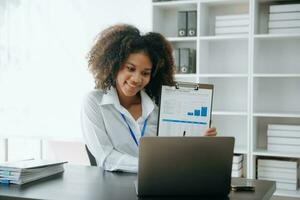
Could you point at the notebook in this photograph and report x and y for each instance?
(24, 171)
(185, 166)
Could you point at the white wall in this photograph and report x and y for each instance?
(103, 13)
(45, 48)
(136, 12)
(92, 17)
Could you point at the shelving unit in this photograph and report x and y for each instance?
(256, 75)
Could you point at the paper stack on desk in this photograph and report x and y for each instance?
(24, 171)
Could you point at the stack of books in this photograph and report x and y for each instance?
(25, 171)
(284, 18)
(284, 172)
(283, 138)
(237, 165)
(232, 24)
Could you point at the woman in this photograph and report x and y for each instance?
(129, 69)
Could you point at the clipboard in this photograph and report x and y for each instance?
(185, 109)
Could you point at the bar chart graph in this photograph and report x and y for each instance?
(198, 112)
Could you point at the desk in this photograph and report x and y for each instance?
(87, 183)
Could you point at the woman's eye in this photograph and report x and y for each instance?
(130, 68)
(146, 73)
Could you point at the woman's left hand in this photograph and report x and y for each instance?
(210, 132)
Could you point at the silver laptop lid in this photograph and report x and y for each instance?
(185, 166)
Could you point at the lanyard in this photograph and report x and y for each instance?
(131, 131)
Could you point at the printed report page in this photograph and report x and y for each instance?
(184, 111)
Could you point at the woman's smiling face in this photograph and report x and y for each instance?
(134, 74)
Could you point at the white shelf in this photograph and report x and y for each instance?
(271, 114)
(224, 56)
(223, 2)
(267, 1)
(276, 55)
(225, 124)
(225, 37)
(229, 113)
(183, 78)
(230, 94)
(185, 75)
(240, 150)
(223, 75)
(172, 4)
(276, 36)
(277, 75)
(288, 193)
(165, 16)
(211, 9)
(276, 94)
(182, 39)
(265, 152)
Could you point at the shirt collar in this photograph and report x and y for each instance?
(147, 104)
(111, 97)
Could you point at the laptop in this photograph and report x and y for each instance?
(185, 166)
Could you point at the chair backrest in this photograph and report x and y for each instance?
(91, 157)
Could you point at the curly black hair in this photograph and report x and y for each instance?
(114, 45)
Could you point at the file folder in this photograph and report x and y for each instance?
(184, 61)
(182, 23)
(192, 23)
(192, 60)
(187, 61)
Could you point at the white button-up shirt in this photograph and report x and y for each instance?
(106, 133)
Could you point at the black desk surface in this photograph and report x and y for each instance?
(87, 183)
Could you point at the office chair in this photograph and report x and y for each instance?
(91, 157)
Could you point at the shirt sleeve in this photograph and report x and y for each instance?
(98, 142)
